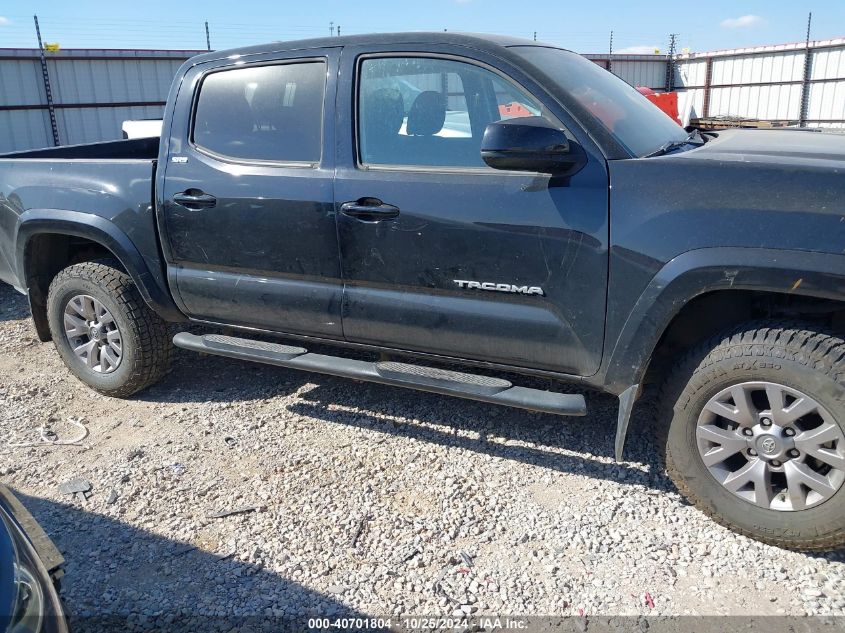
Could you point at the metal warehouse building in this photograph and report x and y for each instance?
(94, 91)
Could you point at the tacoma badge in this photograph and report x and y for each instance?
(488, 285)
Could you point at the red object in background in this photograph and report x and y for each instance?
(513, 110)
(666, 101)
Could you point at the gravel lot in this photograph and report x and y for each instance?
(369, 499)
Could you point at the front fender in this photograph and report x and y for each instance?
(104, 232)
(704, 270)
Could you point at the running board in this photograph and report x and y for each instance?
(450, 383)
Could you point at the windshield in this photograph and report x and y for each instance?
(632, 119)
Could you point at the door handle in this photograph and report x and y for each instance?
(194, 199)
(369, 210)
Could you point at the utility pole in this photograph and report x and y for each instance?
(207, 37)
(47, 91)
(331, 28)
(808, 72)
(670, 63)
(610, 54)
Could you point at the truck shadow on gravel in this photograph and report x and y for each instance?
(511, 434)
(121, 578)
(13, 305)
(198, 378)
(533, 438)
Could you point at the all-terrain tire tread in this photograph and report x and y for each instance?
(155, 348)
(823, 351)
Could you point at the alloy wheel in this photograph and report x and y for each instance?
(772, 445)
(93, 334)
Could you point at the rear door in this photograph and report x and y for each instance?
(246, 203)
(444, 255)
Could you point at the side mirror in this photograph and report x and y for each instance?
(529, 144)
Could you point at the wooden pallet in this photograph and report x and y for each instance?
(724, 123)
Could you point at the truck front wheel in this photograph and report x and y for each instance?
(756, 433)
(104, 332)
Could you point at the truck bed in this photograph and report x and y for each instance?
(111, 182)
(139, 148)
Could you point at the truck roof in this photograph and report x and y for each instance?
(481, 41)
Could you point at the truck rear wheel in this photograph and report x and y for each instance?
(756, 433)
(104, 332)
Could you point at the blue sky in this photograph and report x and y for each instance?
(581, 26)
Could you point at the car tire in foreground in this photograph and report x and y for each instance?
(755, 433)
(104, 331)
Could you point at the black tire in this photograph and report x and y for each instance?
(146, 343)
(807, 359)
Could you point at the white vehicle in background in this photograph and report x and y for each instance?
(141, 128)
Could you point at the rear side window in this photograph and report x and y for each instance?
(267, 113)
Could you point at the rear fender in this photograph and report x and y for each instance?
(98, 230)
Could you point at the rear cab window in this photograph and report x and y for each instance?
(268, 113)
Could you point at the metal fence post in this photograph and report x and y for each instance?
(47, 91)
(670, 64)
(708, 80)
(808, 72)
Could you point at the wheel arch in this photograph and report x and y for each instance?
(38, 258)
(689, 281)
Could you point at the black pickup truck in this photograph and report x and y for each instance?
(435, 199)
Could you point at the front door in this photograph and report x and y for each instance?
(444, 255)
(247, 202)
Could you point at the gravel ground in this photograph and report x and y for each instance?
(367, 500)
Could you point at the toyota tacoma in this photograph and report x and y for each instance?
(427, 201)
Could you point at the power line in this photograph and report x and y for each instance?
(118, 32)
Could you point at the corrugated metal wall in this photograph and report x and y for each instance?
(767, 83)
(637, 70)
(827, 93)
(96, 90)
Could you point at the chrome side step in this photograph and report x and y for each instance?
(450, 383)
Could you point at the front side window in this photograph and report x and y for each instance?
(421, 111)
(265, 113)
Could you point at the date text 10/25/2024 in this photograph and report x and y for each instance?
(419, 623)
